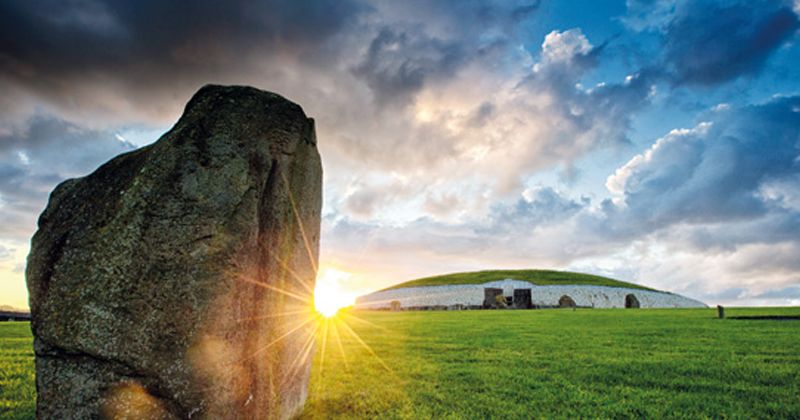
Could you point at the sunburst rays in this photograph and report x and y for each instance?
(298, 325)
(312, 257)
(301, 298)
(324, 348)
(366, 346)
(280, 338)
(339, 344)
(349, 315)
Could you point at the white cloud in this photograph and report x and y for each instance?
(623, 179)
(721, 107)
(23, 157)
(562, 47)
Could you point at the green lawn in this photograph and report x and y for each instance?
(539, 277)
(17, 388)
(647, 363)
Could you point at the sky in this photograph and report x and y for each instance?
(653, 141)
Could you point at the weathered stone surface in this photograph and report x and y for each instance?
(160, 284)
(395, 305)
(566, 302)
(490, 296)
(474, 295)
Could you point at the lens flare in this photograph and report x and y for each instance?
(329, 295)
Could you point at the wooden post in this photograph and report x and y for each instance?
(720, 312)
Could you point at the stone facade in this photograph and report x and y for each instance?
(472, 295)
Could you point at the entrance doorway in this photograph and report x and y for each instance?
(522, 299)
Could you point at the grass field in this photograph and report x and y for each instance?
(538, 277)
(648, 363)
(17, 388)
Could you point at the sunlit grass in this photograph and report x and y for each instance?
(650, 363)
(557, 363)
(17, 375)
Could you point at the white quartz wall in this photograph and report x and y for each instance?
(472, 294)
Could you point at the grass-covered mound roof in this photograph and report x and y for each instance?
(538, 277)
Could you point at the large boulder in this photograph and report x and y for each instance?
(566, 302)
(175, 281)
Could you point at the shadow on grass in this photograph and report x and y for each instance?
(767, 317)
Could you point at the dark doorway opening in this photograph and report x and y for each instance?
(490, 295)
(631, 301)
(522, 299)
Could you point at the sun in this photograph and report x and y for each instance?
(329, 295)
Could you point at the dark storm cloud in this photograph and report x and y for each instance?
(35, 158)
(74, 54)
(710, 42)
(65, 52)
(71, 37)
(461, 18)
(404, 56)
(397, 64)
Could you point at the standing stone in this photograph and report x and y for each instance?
(395, 305)
(490, 295)
(175, 281)
(566, 302)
